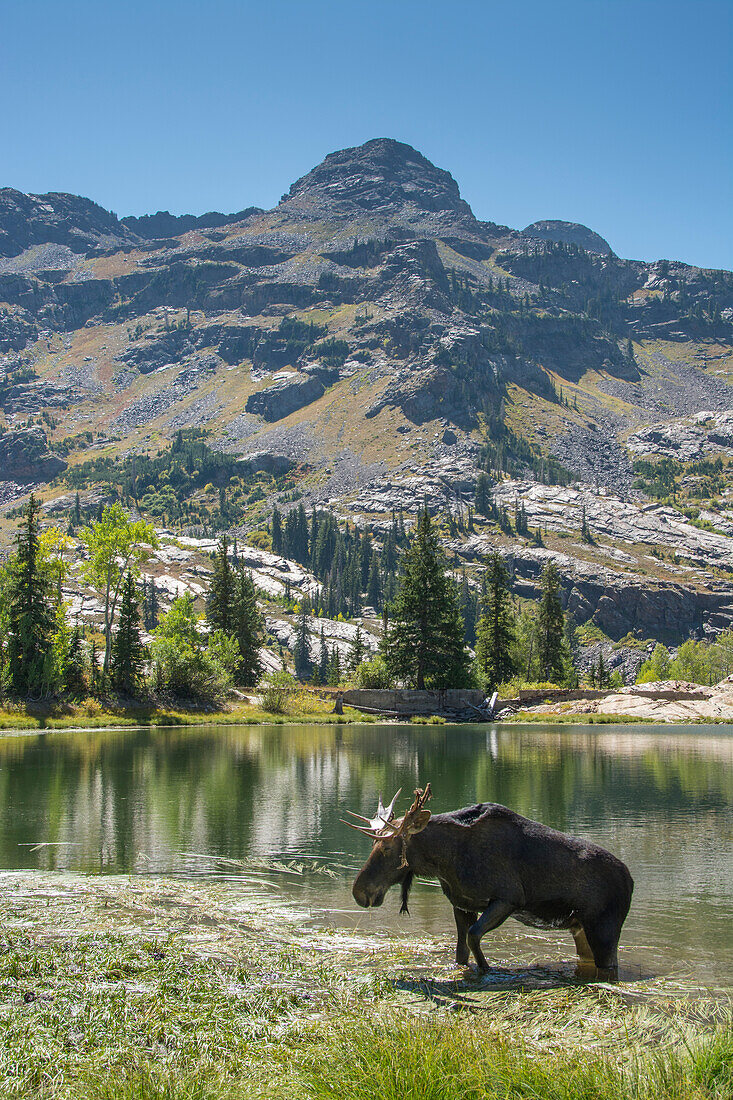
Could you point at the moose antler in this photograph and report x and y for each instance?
(422, 797)
(382, 825)
(382, 820)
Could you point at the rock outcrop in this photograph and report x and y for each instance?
(707, 434)
(25, 456)
(156, 226)
(568, 233)
(285, 396)
(78, 223)
(384, 176)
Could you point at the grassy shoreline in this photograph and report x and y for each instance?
(91, 715)
(158, 989)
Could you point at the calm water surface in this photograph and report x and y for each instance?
(186, 801)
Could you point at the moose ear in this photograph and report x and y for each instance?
(418, 823)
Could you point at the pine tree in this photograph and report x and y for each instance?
(31, 615)
(424, 643)
(334, 667)
(220, 598)
(469, 610)
(296, 535)
(151, 606)
(247, 629)
(358, 650)
(495, 632)
(128, 653)
(301, 649)
(374, 585)
(74, 680)
(551, 627)
(93, 664)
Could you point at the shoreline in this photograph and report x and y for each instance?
(194, 987)
(76, 718)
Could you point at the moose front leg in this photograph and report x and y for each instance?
(494, 915)
(464, 920)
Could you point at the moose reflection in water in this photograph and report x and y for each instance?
(493, 862)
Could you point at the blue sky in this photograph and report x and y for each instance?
(608, 112)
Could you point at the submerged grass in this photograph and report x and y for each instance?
(153, 989)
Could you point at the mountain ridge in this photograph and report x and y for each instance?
(367, 329)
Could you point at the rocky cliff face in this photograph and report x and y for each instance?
(152, 227)
(78, 223)
(371, 329)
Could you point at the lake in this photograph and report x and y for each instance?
(263, 804)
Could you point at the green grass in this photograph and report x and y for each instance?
(85, 716)
(449, 1059)
(152, 989)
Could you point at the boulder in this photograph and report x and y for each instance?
(285, 397)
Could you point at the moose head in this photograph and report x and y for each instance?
(388, 863)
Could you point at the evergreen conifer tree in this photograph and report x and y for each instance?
(301, 649)
(551, 627)
(424, 644)
(483, 494)
(374, 585)
(74, 680)
(153, 605)
(31, 614)
(495, 632)
(247, 629)
(126, 666)
(358, 650)
(220, 599)
(334, 667)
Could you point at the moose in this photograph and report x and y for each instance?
(491, 861)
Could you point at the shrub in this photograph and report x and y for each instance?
(261, 539)
(276, 691)
(372, 674)
(183, 665)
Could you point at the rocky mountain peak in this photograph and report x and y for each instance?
(569, 233)
(78, 223)
(383, 175)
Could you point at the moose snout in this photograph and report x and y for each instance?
(367, 898)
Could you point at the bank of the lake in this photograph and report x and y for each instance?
(157, 989)
(93, 714)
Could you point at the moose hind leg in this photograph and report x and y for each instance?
(581, 944)
(494, 915)
(464, 920)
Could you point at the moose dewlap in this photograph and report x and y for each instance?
(492, 864)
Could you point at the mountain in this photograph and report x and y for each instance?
(373, 339)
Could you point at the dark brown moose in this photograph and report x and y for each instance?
(493, 862)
